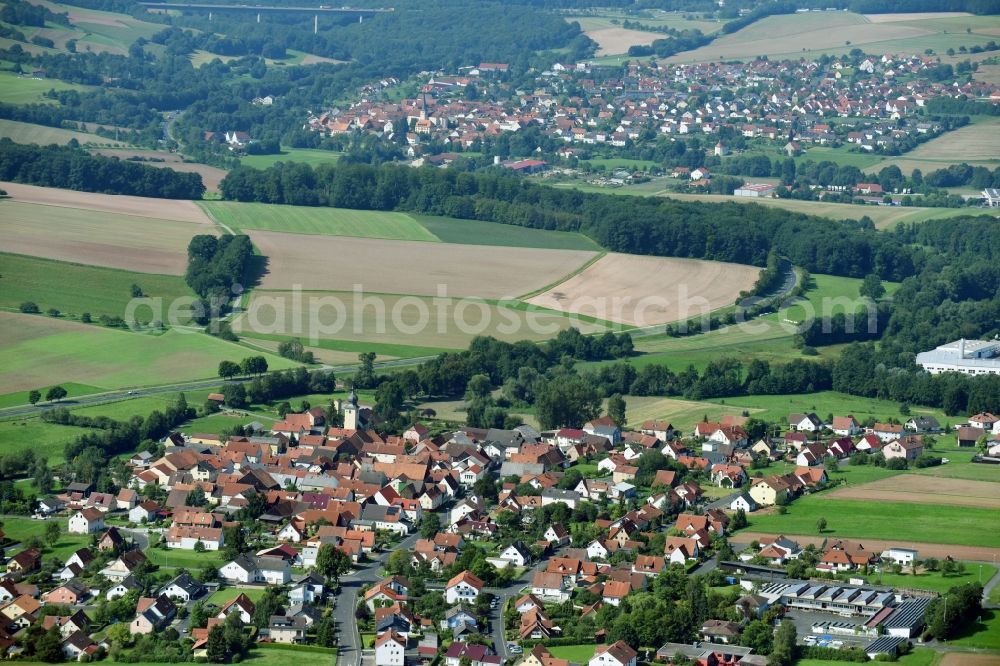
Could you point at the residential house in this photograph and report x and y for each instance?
(390, 649)
(616, 654)
(463, 587)
(152, 614)
(86, 521)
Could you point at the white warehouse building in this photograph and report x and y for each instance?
(971, 357)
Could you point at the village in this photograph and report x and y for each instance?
(705, 112)
(468, 546)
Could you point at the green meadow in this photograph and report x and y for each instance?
(318, 220)
(22, 89)
(19, 132)
(311, 156)
(474, 232)
(41, 351)
(76, 288)
(959, 525)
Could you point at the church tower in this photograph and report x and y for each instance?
(351, 411)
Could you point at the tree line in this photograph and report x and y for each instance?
(732, 232)
(72, 168)
(217, 267)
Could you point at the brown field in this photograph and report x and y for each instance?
(939, 550)
(310, 59)
(643, 291)
(913, 16)
(161, 209)
(328, 263)
(613, 41)
(96, 238)
(967, 659)
(925, 490)
(210, 175)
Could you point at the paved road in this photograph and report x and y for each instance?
(503, 595)
(349, 640)
(126, 394)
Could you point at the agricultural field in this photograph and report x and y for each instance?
(19, 132)
(639, 290)
(864, 520)
(615, 41)
(813, 33)
(922, 490)
(22, 89)
(396, 320)
(125, 242)
(977, 144)
(319, 220)
(684, 414)
(768, 338)
(160, 159)
(474, 232)
(476, 271)
(119, 204)
(74, 288)
(42, 351)
(311, 156)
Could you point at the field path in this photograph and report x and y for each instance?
(938, 550)
(160, 209)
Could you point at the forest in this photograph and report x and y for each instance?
(72, 168)
(731, 232)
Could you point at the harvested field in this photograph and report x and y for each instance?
(643, 291)
(924, 490)
(393, 319)
(310, 59)
(328, 356)
(210, 175)
(967, 659)
(967, 553)
(975, 144)
(913, 16)
(160, 209)
(613, 41)
(318, 263)
(795, 33)
(96, 238)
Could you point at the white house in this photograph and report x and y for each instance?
(390, 649)
(902, 556)
(745, 502)
(516, 554)
(463, 587)
(597, 551)
(241, 570)
(86, 521)
(616, 654)
(273, 570)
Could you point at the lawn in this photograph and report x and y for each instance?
(19, 89)
(45, 439)
(19, 132)
(866, 520)
(310, 156)
(41, 351)
(319, 220)
(919, 657)
(19, 528)
(175, 558)
(216, 423)
(261, 655)
(984, 634)
(75, 288)
(579, 654)
(474, 232)
(935, 581)
(223, 597)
